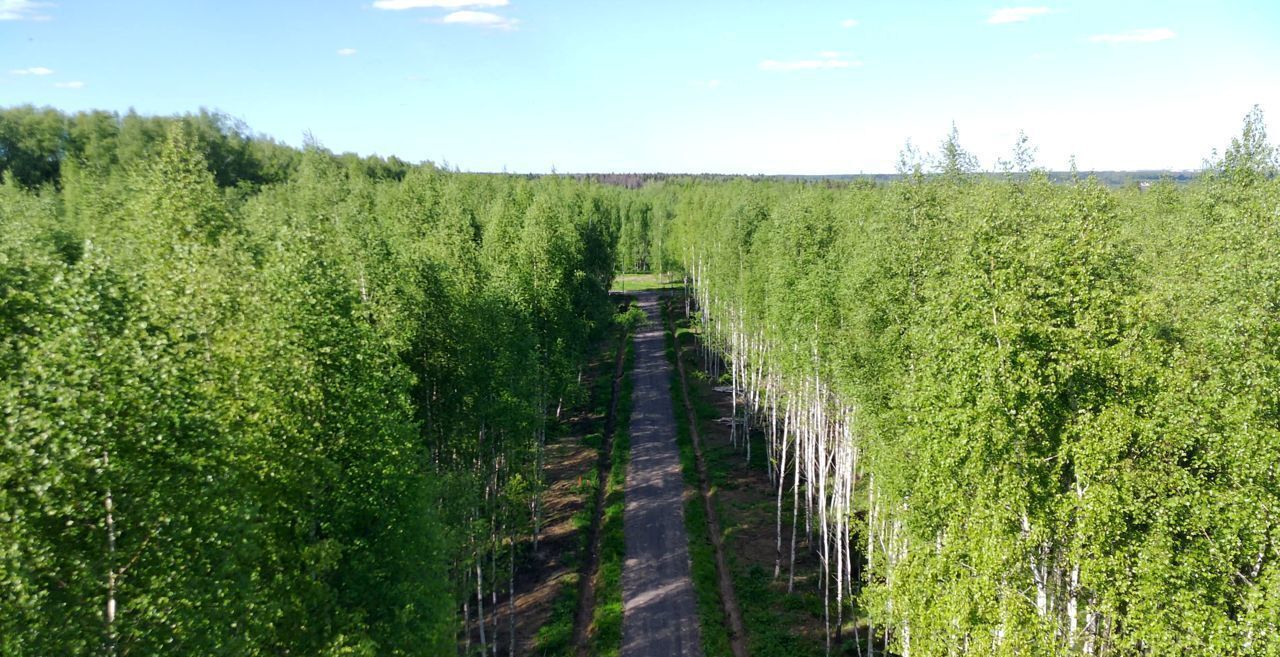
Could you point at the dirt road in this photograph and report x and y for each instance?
(659, 614)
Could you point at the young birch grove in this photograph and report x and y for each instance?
(1016, 417)
(263, 401)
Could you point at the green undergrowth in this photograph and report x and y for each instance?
(771, 615)
(645, 282)
(706, 582)
(606, 639)
(555, 637)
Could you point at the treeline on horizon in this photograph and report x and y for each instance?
(1142, 178)
(1014, 417)
(259, 400)
(34, 143)
(37, 143)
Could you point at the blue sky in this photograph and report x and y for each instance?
(801, 86)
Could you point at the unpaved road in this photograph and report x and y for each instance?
(659, 617)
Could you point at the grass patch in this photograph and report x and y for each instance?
(582, 519)
(706, 582)
(769, 613)
(644, 282)
(606, 638)
(556, 636)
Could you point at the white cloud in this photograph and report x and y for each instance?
(17, 10)
(480, 18)
(74, 84)
(398, 5)
(1015, 14)
(1142, 35)
(346, 52)
(827, 59)
(848, 23)
(34, 70)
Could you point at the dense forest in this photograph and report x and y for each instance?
(1015, 417)
(260, 400)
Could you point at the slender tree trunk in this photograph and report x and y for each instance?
(466, 625)
(1038, 573)
(826, 554)
(540, 437)
(493, 591)
(480, 603)
(840, 543)
(770, 426)
(733, 368)
(1091, 628)
(1072, 622)
(109, 614)
(511, 594)
(795, 511)
(782, 468)
(871, 544)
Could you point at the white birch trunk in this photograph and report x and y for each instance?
(871, 545)
(511, 595)
(480, 603)
(782, 467)
(109, 613)
(795, 502)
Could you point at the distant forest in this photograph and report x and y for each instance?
(34, 143)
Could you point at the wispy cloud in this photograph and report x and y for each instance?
(399, 5)
(848, 23)
(34, 70)
(346, 52)
(1015, 14)
(827, 59)
(463, 11)
(20, 10)
(1142, 35)
(480, 19)
(73, 84)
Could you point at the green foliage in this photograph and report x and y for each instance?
(1250, 159)
(290, 418)
(953, 161)
(1061, 395)
(31, 141)
(630, 320)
